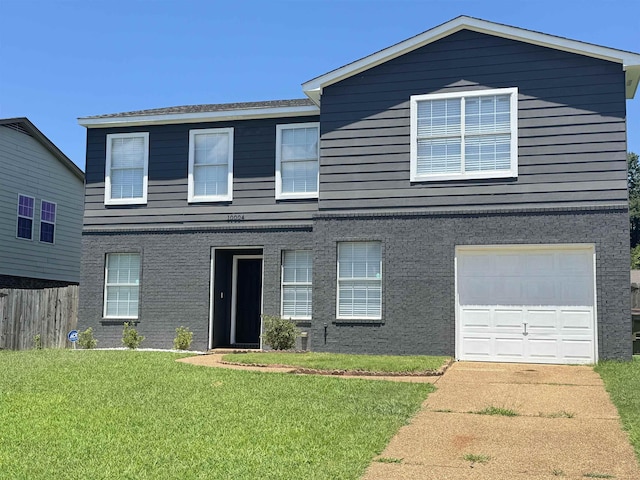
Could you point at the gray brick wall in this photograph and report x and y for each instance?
(175, 280)
(418, 276)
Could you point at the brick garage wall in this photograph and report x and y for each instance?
(418, 253)
(175, 279)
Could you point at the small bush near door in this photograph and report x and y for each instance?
(279, 333)
(183, 339)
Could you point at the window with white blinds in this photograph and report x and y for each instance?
(126, 168)
(297, 270)
(464, 135)
(122, 285)
(359, 280)
(297, 160)
(211, 165)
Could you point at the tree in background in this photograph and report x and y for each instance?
(633, 182)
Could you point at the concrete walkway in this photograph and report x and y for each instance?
(566, 428)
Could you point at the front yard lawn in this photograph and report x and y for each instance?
(337, 361)
(141, 415)
(622, 380)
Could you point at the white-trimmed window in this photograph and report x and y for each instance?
(47, 221)
(359, 280)
(122, 285)
(126, 168)
(297, 270)
(26, 207)
(211, 165)
(464, 135)
(297, 155)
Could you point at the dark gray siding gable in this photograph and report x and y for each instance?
(571, 128)
(253, 184)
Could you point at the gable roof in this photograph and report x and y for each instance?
(24, 126)
(205, 113)
(629, 60)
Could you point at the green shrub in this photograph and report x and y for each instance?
(183, 339)
(37, 342)
(279, 333)
(86, 339)
(130, 336)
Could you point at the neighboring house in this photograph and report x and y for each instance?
(459, 193)
(41, 204)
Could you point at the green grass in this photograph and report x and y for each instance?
(499, 411)
(475, 458)
(337, 361)
(622, 381)
(141, 415)
(598, 475)
(388, 460)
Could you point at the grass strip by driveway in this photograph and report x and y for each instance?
(141, 415)
(622, 381)
(338, 361)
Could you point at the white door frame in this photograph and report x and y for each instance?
(234, 293)
(212, 286)
(523, 247)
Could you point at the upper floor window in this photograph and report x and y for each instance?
(126, 168)
(211, 165)
(47, 221)
(464, 135)
(25, 217)
(297, 160)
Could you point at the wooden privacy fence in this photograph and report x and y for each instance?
(48, 312)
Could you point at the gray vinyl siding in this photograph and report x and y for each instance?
(571, 128)
(254, 151)
(28, 168)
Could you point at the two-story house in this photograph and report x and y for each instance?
(460, 193)
(41, 204)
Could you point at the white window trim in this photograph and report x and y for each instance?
(47, 221)
(289, 196)
(32, 218)
(191, 197)
(107, 177)
(364, 279)
(435, 177)
(106, 285)
(295, 284)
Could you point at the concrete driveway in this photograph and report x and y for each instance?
(566, 427)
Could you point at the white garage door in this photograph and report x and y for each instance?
(526, 304)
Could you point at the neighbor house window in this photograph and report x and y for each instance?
(296, 284)
(464, 135)
(25, 217)
(126, 168)
(359, 280)
(297, 160)
(122, 285)
(47, 221)
(211, 165)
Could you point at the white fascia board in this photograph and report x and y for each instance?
(163, 119)
(629, 60)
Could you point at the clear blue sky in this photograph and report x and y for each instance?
(63, 59)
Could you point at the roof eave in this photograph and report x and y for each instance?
(46, 143)
(225, 115)
(313, 88)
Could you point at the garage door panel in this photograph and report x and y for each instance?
(548, 288)
(473, 318)
(511, 347)
(508, 319)
(477, 346)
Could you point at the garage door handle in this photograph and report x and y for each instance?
(525, 333)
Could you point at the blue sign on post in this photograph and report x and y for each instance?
(73, 336)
